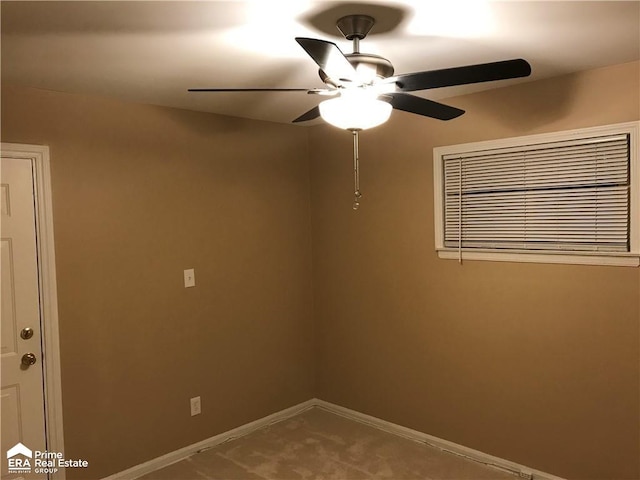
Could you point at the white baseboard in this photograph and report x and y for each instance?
(520, 470)
(177, 455)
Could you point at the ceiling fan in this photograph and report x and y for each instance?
(362, 78)
(364, 88)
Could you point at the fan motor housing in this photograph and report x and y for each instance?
(381, 65)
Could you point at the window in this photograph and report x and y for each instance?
(566, 197)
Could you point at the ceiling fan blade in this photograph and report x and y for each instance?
(326, 92)
(310, 115)
(421, 106)
(483, 72)
(329, 58)
(248, 89)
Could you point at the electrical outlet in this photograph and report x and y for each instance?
(196, 407)
(526, 474)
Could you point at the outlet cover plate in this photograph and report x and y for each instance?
(196, 406)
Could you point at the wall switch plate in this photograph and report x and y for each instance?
(189, 278)
(196, 407)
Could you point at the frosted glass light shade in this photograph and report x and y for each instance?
(355, 111)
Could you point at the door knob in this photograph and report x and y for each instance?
(26, 333)
(28, 359)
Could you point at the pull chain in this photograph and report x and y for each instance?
(356, 171)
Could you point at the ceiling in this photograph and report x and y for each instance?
(153, 51)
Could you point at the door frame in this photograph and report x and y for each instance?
(39, 156)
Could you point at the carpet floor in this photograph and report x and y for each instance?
(319, 445)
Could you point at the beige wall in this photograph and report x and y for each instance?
(538, 364)
(141, 193)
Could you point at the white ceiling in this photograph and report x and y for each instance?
(152, 51)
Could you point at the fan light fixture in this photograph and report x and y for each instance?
(355, 109)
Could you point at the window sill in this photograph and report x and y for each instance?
(613, 259)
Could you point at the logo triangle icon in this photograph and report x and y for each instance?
(19, 449)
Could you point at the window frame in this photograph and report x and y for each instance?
(631, 258)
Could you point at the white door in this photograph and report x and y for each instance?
(22, 384)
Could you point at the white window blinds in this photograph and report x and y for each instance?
(567, 195)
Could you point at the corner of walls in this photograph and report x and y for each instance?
(312, 279)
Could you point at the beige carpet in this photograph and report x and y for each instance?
(319, 445)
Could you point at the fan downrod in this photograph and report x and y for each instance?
(355, 28)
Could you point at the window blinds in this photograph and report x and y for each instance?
(567, 195)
